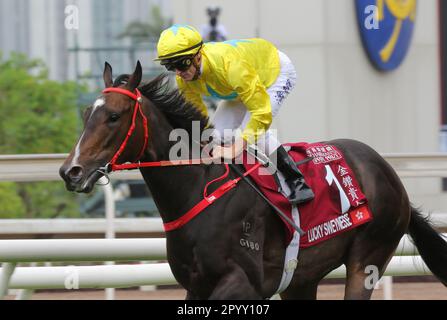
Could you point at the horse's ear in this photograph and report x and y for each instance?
(107, 75)
(135, 78)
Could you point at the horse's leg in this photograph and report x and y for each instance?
(234, 285)
(303, 292)
(373, 247)
(375, 242)
(362, 274)
(191, 296)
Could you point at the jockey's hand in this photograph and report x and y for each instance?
(229, 152)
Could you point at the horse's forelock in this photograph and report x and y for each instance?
(121, 80)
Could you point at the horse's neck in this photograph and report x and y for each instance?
(175, 189)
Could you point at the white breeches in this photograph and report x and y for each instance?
(232, 114)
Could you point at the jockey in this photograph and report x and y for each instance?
(251, 77)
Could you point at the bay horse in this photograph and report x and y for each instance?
(205, 255)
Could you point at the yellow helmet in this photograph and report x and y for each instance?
(178, 40)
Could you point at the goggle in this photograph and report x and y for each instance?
(181, 65)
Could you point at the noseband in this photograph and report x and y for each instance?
(111, 166)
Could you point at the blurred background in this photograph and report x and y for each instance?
(52, 54)
(62, 46)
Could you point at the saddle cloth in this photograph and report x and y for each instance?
(339, 204)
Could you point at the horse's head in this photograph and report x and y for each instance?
(106, 125)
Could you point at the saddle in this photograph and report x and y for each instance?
(339, 203)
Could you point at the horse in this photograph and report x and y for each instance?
(205, 255)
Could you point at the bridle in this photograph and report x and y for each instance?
(112, 165)
(136, 164)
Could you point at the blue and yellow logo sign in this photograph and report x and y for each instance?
(386, 27)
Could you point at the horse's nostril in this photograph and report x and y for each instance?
(75, 173)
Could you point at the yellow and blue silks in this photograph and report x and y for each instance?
(237, 69)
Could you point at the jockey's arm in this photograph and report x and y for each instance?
(245, 81)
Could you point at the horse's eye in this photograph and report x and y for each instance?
(114, 117)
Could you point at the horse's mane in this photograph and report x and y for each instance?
(170, 101)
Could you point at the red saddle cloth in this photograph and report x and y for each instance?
(339, 204)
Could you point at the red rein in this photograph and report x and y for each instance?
(207, 199)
